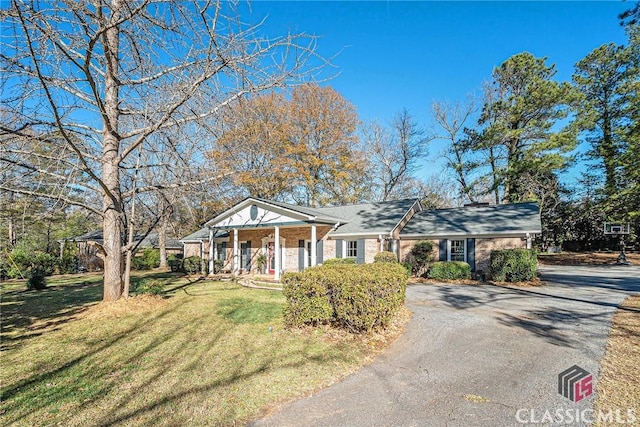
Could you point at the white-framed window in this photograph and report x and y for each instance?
(457, 250)
(352, 249)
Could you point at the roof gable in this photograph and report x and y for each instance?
(253, 212)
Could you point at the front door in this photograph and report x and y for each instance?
(271, 257)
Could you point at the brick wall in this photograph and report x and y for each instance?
(482, 251)
(191, 249)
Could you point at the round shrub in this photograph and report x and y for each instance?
(449, 270)
(150, 287)
(192, 264)
(514, 265)
(385, 256)
(149, 259)
(36, 281)
(175, 262)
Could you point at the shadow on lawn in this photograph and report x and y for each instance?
(161, 351)
(29, 313)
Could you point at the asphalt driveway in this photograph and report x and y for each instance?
(479, 355)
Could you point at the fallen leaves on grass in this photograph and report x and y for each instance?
(586, 258)
(124, 307)
(618, 386)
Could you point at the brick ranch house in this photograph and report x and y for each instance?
(292, 238)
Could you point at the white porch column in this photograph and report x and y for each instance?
(276, 245)
(235, 251)
(314, 256)
(211, 251)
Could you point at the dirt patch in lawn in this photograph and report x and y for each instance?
(585, 258)
(618, 386)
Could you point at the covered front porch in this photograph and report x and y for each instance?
(268, 238)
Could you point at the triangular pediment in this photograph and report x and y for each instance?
(252, 213)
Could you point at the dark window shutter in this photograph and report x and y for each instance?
(319, 251)
(471, 253)
(300, 255)
(223, 255)
(443, 250)
(247, 264)
(360, 252)
(339, 248)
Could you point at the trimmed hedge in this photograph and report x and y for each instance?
(385, 256)
(334, 261)
(450, 270)
(358, 298)
(514, 265)
(307, 298)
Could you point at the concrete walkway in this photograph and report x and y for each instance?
(475, 355)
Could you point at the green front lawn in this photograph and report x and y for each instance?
(208, 353)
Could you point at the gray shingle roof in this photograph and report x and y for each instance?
(516, 218)
(203, 234)
(371, 218)
(319, 213)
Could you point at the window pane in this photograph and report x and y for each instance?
(457, 250)
(352, 249)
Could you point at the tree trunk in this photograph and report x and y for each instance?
(112, 197)
(162, 238)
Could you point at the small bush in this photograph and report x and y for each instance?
(150, 287)
(175, 262)
(514, 265)
(385, 256)
(149, 259)
(43, 263)
(420, 257)
(449, 270)
(192, 265)
(334, 261)
(36, 281)
(307, 298)
(358, 298)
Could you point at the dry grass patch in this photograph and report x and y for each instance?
(585, 258)
(619, 385)
(208, 353)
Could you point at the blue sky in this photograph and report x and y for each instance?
(398, 55)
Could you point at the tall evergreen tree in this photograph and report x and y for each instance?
(521, 119)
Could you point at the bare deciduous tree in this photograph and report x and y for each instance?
(393, 154)
(89, 82)
(451, 121)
